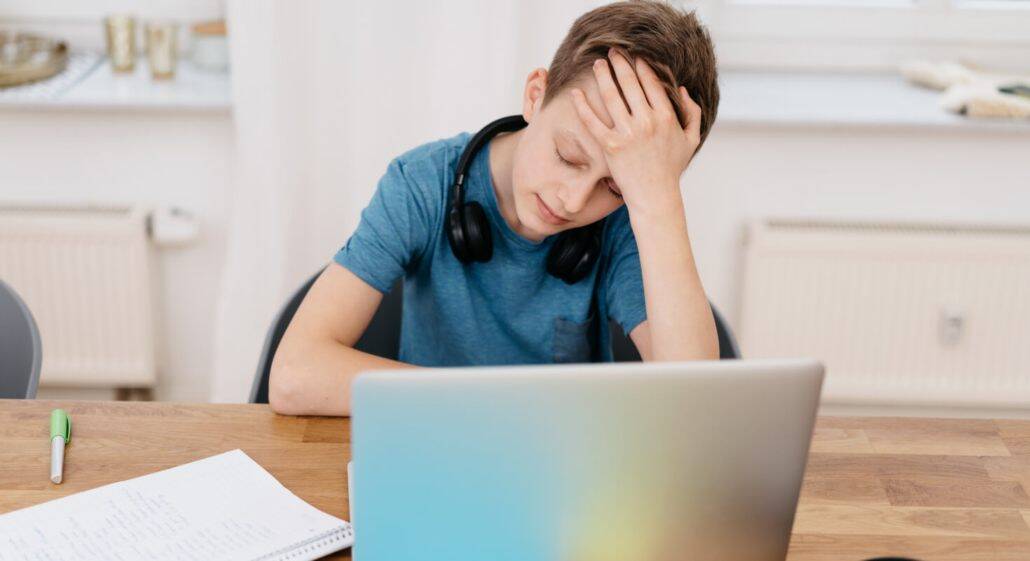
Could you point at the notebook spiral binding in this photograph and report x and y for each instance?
(322, 544)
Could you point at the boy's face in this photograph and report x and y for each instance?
(580, 189)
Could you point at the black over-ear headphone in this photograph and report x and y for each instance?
(571, 257)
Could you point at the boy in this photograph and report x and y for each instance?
(630, 96)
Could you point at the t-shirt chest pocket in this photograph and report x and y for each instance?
(572, 339)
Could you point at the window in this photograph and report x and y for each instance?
(867, 34)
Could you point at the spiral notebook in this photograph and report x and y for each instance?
(222, 507)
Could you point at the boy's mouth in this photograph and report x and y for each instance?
(547, 215)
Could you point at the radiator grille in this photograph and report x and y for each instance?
(900, 313)
(87, 275)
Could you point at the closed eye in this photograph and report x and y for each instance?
(611, 190)
(608, 181)
(563, 160)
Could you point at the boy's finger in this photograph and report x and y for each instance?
(610, 94)
(653, 88)
(590, 119)
(693, 127)
(629, 82)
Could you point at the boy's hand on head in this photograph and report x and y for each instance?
(646, 149)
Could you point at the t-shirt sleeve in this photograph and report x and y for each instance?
(624, 283)
(394, 230)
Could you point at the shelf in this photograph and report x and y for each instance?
(192, 89)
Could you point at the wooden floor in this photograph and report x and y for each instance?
(933, 489)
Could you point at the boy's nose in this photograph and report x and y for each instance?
(574, 198)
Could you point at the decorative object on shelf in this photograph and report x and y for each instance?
(28, 58)
(1016, 89)
(210, 46)
(121, 42)
(162, 50)
(80, 65)
(972, 91)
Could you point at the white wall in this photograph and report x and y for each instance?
(170, 158)
(909, 174)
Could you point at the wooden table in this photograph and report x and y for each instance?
(936, 489)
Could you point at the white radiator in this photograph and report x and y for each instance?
(87, 275)
(900, 314)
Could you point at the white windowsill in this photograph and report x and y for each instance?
(780, 99)
(841, 100)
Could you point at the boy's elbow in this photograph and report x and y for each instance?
(283, 392)
(281, 402)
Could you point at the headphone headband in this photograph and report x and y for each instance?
(504, 124)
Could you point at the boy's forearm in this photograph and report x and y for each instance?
(678, 315)
(314, 377)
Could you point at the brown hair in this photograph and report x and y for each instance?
(673, 42)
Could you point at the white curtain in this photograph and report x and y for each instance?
(325, 93)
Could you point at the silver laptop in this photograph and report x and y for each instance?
(587, 462)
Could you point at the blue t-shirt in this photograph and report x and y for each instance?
(508, 310)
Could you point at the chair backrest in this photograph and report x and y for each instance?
(382, 337)
(21, 352)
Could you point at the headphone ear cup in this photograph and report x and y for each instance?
(573, 255)
(456, 235)
(560, 255)
(582, 267)
(478, 238)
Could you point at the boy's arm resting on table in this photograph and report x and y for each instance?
(315, 362)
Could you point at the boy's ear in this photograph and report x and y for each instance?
(533, 96)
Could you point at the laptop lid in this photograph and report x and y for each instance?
(593, 462)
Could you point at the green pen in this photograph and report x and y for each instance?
(60, 434)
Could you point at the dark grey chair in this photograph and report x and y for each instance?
(21, 352)
(382, 337)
